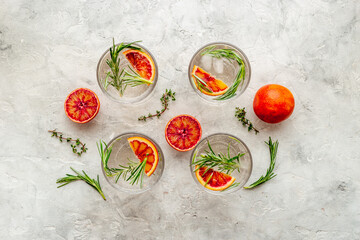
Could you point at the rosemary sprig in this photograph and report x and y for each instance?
(269, 173)
(240, 115)
(105, 153)
(133, 79)
(202, 84)
(92, 182)
(165, 99)
(121, 79)
(77, 143)
(135, 170)
(229, 54)
(224, 163)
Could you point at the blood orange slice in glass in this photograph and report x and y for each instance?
(142, 63)
(208, 84)
(144, 148)
(213, 180)
(82, 105)
(183, 132)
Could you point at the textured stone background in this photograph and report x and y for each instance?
(49, 48)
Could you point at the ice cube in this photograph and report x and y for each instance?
(206, 62)
(218, 65)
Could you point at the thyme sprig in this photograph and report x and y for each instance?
(121, 79)
(273, 147)
(78, 147)
(229, 54)
(165, 99)
(240, 115)
(71, 178)
(133, 172)
(223, 163)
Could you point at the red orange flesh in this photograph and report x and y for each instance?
(183, 132)
(82, 105)
(142, 63)
(214, 180)
(217, 86)
(144, 148)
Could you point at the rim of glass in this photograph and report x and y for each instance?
(127, 101)
(220, 192)
(244, 58)
(160, 152)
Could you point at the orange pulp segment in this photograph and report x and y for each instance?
(183, 132)
(214, 87)
(213, 180)
(142, 63)
(144, 148)
(82, 105)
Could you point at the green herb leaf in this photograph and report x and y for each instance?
(222, 162)
(273, 147)
(121, 79)
(71, 178)
(77, 150)
(135, 170)
(165, 99)
(240, 115)
(229, 54)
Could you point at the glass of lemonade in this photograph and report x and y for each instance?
(228, 145)
(122, 153)
(223, 69)
(131, 94)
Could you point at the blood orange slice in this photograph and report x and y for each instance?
(144, 148)
(142, 63)
(183, 132)
(209, 85)
(213, 180)
(82, 105)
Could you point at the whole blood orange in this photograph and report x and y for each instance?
(82, 105)
(273, 103)
(214, 87)
(183, 132)
(142, 63)
(144, 148)
(213, 180)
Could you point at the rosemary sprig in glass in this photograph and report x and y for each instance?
(77, 143)
(133, 79)
(229, 54)
(224, 163)
(269, 173)
(240, 115)
(121, 79)
(71, 178)
(202, 84)
(165, 99)
(133, 172)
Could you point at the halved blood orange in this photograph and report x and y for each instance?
(142, 63)
(143, 148)
(183, 132)
(214, 87)
(213, 180)
(82, 105)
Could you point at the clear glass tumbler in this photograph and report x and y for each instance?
(131, 94)
(121, 155)
(222, 143)
(221, 68)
